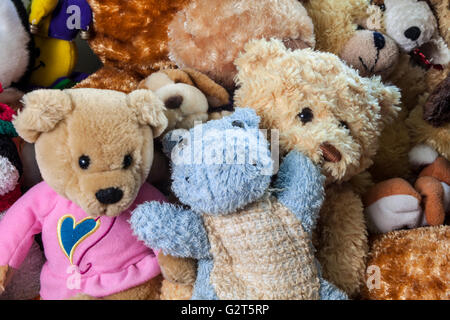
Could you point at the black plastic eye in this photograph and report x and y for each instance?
(127, 161)
(345, 125)
(382, 7)
(84, 162)
(237, 123)
(306, 115)
(359, 27)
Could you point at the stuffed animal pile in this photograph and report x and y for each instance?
(225, 150)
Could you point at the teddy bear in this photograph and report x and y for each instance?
(94, 149)
(396, 203)
(130, 38)
(224, 187)
(15, 57)
(322, 107)
(409, 265)
(25, 283)
(211, 45)
(341, 28)
(188, 95)
(420, 28)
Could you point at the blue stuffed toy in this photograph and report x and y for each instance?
(251, 242)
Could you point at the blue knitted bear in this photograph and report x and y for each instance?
(251, 242)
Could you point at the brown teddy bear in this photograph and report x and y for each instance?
(94, 149)
(208, 35)
(409, 265)
(323, 108)
(130, 38)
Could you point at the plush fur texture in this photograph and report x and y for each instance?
(229, 191)
(349, 113)
(15, 43)
(413, 265)
(130, 38)
(66, 125)
(210, 45)
(340, 28)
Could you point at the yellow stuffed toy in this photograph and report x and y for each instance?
(55, 24)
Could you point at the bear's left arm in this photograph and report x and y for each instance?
(301, 188)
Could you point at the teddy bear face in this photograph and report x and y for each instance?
(14, 56)
(227, 161)
(342, 28)
(96, 146)
(320, 106)
(411, 23)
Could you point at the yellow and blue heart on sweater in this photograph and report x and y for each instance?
(72, 233)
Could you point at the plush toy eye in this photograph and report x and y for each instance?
(127, 161)
(345, 125)
(359, 27)
(84, 162)
(306, 115)
(237, 123)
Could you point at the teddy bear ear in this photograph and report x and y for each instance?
(216, 94)
(150, 110)
(43, 110)
(254, 60)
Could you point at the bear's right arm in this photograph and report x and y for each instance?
(22, 222)
(174, 230)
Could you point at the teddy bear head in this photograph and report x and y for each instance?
(415, 25)
(132, 35)
(93, 147)
(188, 95)
(341, 28)
(226, 161)
(318, 104)
(208, 35)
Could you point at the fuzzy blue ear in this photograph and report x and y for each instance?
(172, 138)
(246, 115)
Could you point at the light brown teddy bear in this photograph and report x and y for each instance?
(341, 28)
(94, 149)
(323, 108)
(208, 35)
(188, 95)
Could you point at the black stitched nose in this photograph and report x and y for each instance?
(413, 33)
(379, 40)
(109, 196)
(174, 102)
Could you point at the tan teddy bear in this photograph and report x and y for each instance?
(341, 28)
(323, 108)
(208, 35)
(94, 149)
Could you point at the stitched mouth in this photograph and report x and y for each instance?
(330, 153)
(371, 69)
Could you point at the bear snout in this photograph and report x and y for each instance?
(330, 153)
(109, 195)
